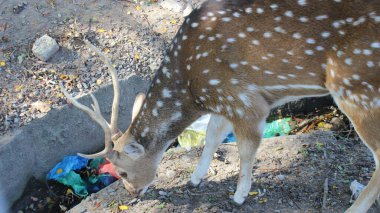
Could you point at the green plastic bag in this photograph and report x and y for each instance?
(279, 127)
(74, 180)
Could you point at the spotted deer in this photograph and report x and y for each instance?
(238, 59)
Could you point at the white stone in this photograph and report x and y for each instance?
(45, 47)
(173, 5)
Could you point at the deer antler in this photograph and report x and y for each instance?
(110, 130)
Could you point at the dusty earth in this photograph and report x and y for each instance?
(134, 35)
(289, 176)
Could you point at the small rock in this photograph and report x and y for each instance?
(7, 124)
(186, 158)
(34, 199)
(173, 5)
(170, 174)
(63, 208)
(41, 106)
(20, 211)
(21, 58)
(45, 47)
(281, 177)
(133, 201)
(187, 10)
(337, 124)
(162, 193)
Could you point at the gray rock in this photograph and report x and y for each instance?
(281, 177)
(45, 47)
(173, 5)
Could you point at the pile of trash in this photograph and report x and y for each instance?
(84, 176)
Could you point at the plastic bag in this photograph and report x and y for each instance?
(63, 168)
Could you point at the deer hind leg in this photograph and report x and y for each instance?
(248, 138)
(367, 125)
(217, 130)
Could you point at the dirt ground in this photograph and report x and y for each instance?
(134, 35)
(289, 176)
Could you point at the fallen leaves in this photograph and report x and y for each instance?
(101, 30)
(123, 207)
(253, 193)
(106, 50)
(263, 200)
(137, 56)
(18, 88)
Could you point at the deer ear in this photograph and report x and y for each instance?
(139, 100)
(134, 150)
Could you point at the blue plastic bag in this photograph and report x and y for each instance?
(63, 168)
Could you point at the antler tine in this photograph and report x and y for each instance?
(95, 104)
(97, 117)
(115, 83)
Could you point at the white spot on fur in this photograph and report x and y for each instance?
(194, 24)
(166, 93)
(214, 81)
(245, 99)
(146, 130)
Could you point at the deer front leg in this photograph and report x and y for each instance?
(217, 130)
(248, 141)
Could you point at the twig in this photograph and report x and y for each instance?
(325, 193)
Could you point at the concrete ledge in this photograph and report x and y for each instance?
(36, 148)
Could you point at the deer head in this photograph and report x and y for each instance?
(127, 155)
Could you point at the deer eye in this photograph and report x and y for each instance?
(123, 174)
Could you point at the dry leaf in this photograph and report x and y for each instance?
(263, 200)
(63, 76)
(253, 193)
(18, 88)
(73, 77)
(106, 50)
(101, 30)
(123, 207)
(69, 192)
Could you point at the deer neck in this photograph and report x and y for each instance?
(167, 110)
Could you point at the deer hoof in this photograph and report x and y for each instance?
(191, 184)
(238, 201)
(194, 182)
